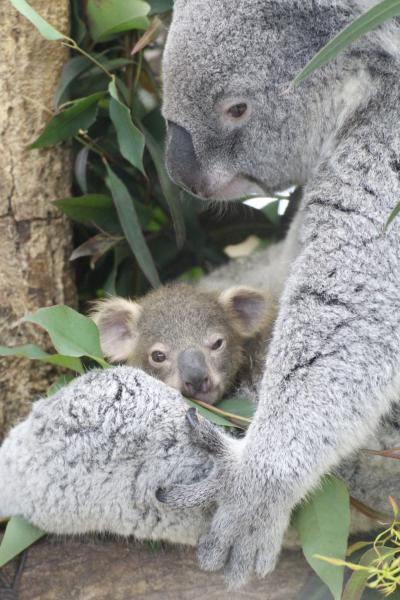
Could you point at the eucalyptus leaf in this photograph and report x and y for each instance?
(160, 6)
(95, 247)
(171, 191)
(323, 524)
(130, 139)
(111, 17)
(18, 536)
(238, 406)
(271, 212)
(67, 123)
(370, 20)
(71, 70)
(80, 168)
(35, 353)
(44, 28)
(90, 209)
(393, 215)
(131, 226)
(72, 334)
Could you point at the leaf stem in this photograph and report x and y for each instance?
(222, 413)
(74, 46)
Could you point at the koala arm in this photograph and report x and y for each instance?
(332, 365)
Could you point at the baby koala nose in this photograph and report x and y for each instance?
(193, 371)
(196, 385)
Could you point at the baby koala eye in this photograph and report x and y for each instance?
(217, 344)
(236, 111)
(158, 357)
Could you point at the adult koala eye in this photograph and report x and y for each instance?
(157, 356)
(236, 111)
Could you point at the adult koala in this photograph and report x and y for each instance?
(106, 443)
(333, 367)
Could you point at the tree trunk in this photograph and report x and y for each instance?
(35, 239)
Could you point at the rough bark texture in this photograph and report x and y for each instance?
(35, 240)
(92, 569)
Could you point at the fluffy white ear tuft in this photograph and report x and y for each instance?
(116, 320)
(251, 309)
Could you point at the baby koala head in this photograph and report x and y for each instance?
(193, 340)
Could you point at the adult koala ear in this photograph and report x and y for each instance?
(116, 320)
(251, 309)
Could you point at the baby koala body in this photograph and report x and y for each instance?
(201, 342)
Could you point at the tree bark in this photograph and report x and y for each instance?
(35, 239)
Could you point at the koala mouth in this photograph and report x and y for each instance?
(237, 187)
(211, 396)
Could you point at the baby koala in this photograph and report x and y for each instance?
(200, 342)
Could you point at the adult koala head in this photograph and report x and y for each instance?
(233, 117)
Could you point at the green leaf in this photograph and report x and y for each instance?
(71, 70)
(211, 416)
(68, 122)
(271, 212)
(374, 17)
(59, 383)
(393, 215)
(72, 334)
(95, 247)
(90, 209)
(323, 527)
(130, 139)
(110, 17)
(239, 406)
(18, 536)
(160, 6)
(131, 226)
(170, 191)
(81, 168)
(35, 353)
(44, 28)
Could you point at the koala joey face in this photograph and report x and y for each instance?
(235, 124)
(190, 339)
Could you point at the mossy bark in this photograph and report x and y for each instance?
(35, 239)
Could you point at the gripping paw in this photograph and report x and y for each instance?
(205, 491)
(241, 544)
(205, 435)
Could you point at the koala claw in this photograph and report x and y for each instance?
(191, 495)
(192, 417)
(161, 495)
(206, 435)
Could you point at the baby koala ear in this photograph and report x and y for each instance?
(116, 320)
(251, 309)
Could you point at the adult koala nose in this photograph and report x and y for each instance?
(182, 164)
(194, 373)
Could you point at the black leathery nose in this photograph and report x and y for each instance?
(182, 163)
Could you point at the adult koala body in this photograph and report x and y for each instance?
(332, 370)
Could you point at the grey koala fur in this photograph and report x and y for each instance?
(332, 370)
(94, 456)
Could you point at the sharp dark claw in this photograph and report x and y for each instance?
(161, 495)
(192, 417)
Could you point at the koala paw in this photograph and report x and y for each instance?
(247, 528)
